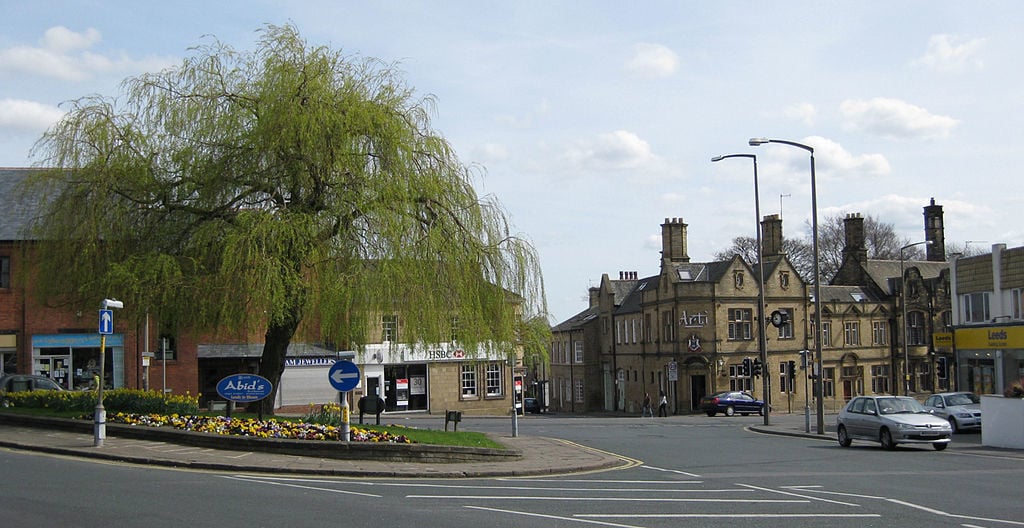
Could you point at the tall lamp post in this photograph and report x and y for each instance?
(106, 328)
(818, 385)
(903, 303)
(762, 340)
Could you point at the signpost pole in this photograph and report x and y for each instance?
(346, 430)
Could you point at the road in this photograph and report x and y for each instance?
(689, 471)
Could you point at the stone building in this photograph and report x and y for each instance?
(687, 330)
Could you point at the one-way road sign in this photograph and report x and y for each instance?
(344, 375)
(106, 322)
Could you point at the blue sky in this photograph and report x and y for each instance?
(594, 121)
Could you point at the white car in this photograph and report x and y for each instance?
(962, 409)
(891, 420)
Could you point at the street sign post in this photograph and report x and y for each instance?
(344, 376)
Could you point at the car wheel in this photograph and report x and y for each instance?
(729, 411)
(885, 437)
(952, 423)
(844, 437)
(710, 413)
(940, 446)
(760, 412)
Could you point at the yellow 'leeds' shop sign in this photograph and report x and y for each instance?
(993, 337)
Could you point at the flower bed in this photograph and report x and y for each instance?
(256, 428)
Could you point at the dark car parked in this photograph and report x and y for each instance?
(24, 383)
(531, 405)
(730, 403)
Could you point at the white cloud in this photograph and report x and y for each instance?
(615, 150)
(61, 39)
(28, 116)
(653, 61)
(892, 118)
(832, 156)
(64, 54)
(949, 54)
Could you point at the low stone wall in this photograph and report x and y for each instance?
(380, 451)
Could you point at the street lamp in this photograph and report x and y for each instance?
(763, 342)
(903, 303)
(818, 384)
(106, 327)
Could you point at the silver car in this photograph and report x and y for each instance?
(891, 420)
(962, 409)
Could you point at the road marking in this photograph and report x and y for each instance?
(725, 515)
(953, 515)
(545, 516)
(798, 495)
(671, 471)
(607, 481)
(607, 499)
(314, 488)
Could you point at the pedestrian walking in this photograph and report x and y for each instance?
(647, 410)
(663, 405)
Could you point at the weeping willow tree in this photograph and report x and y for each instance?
(275, 192)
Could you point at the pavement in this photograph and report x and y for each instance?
(540, 455)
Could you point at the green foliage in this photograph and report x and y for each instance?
(116, 400)
(242, 192)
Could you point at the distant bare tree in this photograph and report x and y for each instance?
(880, 238)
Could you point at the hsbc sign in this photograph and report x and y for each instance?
(445, 355)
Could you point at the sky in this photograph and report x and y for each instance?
(594, 121)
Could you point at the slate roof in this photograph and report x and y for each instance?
(255, 350)
(881, 271)
(831, 293)
(577, 321)
(19, 208)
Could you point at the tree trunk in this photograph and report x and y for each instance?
(275, 347)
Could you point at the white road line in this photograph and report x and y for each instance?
(953, 515)
(671, 471)
(797, 495)
(609, 481)
(823, 492)
(314, 488)
(726, 515)
(606, 499)
(545, 516)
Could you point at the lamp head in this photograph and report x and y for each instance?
(112, 303)
(717, 158)
(758, 141)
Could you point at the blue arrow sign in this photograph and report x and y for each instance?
(344, 375)
(106, 322)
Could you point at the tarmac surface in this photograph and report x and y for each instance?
(540, 455)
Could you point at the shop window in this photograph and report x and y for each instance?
(167, 348)
(494, 380)
(740, 324)
(879, 333)
(469, 381)
(786, 330)
(880, 376)
(5, 272)
(852, 333)
(389, 328)
(915, 328)
(975, 307)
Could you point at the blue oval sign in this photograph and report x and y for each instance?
(244, 388)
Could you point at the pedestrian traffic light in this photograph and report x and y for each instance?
(943, 367)
(757, 367)
(745, 367)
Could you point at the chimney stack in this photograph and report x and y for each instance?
(934, 233)
(856, 246)
(673, 240)
(771, 236)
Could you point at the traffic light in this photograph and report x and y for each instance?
(756, 367)
(791, 371)
(745, 367)
(943, 367)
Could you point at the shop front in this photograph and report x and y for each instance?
(73, 360)
(989, 359)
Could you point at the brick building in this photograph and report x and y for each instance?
(61, 341)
